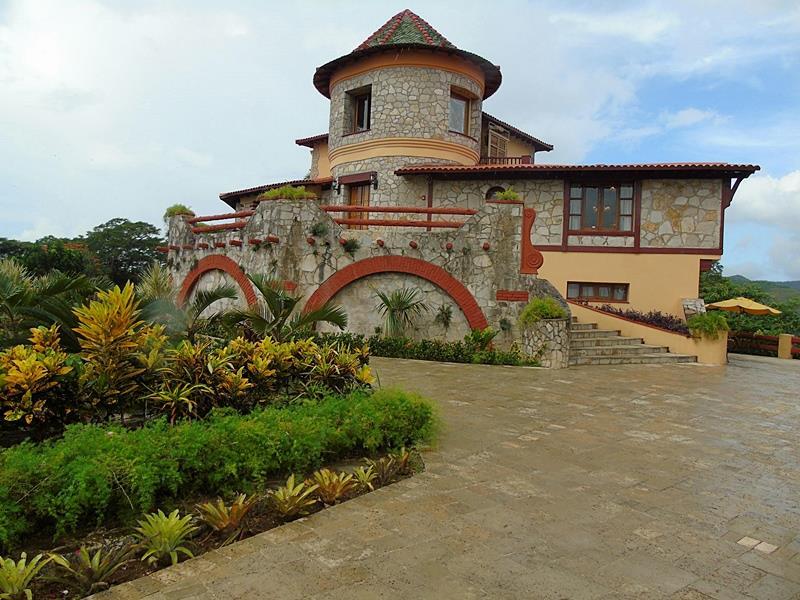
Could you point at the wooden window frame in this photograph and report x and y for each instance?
(493, 134)
(600, 229)
(467, 111)
(581, 297)
(366, 97)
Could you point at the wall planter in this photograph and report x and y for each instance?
(548, 341)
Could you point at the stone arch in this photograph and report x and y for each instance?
(217, 263)
(401, 264)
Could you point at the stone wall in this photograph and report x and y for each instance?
(548, 341)
(483, 255)
(406, 102)
(682, 213)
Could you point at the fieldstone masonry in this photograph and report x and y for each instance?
(681, 213)
(304, 262)
(548, 340)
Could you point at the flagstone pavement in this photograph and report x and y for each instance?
(674, 481)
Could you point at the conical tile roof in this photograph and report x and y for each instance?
(405, 27)
(406, 31)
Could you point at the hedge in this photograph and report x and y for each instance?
(94, 473)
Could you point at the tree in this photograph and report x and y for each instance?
(125, 248)
(714, 286)
(399, 308)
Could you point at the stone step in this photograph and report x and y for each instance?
(582, 326)
(629, 350)
(612, 340)
(641, 359)
(593, 333)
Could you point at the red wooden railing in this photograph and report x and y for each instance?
(743, 342)
(239, 223)
(506, 160)
(399, 210)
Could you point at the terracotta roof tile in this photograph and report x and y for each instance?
(431, 168)
(405, 28)
(230, 197)
(312, 140)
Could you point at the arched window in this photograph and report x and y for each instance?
(490, 193)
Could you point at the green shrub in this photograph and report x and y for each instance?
(474, 349)
(95, 472)
(287, 192)
(351, 245)
(178, 209)
(508, 194)
(545, 307)
(708, 325)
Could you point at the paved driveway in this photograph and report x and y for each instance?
(675, 481)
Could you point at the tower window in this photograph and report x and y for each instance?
(459, 113)
(358, 109)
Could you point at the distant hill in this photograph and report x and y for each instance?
(780, 290)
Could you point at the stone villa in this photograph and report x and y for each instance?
(410, 169)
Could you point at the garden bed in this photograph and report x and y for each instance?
(90, 486)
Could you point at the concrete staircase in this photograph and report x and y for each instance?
(592, 346)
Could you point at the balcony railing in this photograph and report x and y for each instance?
(428, 223)
(506, 160)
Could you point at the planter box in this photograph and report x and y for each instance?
(548, 342)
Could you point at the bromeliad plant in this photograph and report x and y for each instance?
(16, 576)
(293, 499)
(228, 520)
(163, 537)
(88, 573)
(331, 487)
(365, 478)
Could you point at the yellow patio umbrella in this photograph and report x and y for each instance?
(744, 305)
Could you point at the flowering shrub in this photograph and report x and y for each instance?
(654, 317)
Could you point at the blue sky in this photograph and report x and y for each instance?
(120, 109)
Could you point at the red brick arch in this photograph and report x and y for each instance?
(217, 263)
(401, 264)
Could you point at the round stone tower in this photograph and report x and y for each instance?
(405, 96)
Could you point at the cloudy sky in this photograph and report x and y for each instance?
(122, 108)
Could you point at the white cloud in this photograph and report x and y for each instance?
(688, 116)
(644, 26)
(768, 200)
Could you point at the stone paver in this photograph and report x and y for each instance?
(597, 482)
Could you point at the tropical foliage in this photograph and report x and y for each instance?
(98, 472)
(277, 315)
(163, 536)
(399, 308)
(88, 572)
(16, 576)
(708, 325)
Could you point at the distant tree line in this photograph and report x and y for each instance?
(118, 250)
(714, 286)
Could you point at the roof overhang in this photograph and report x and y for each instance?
(491, 72)
(538, 145)
(544, 171)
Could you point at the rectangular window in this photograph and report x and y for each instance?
(601, 208)
(597, 292)
(361, 117)
(358, 106)
(459, 113)
(498, 145)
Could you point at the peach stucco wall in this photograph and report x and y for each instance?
(657, 281)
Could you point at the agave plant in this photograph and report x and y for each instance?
(16, 576)
(89, 573)
(163, 536)
(399, 308)
(332, 486)
(292, 500)
(276, 315)
(228, 519)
